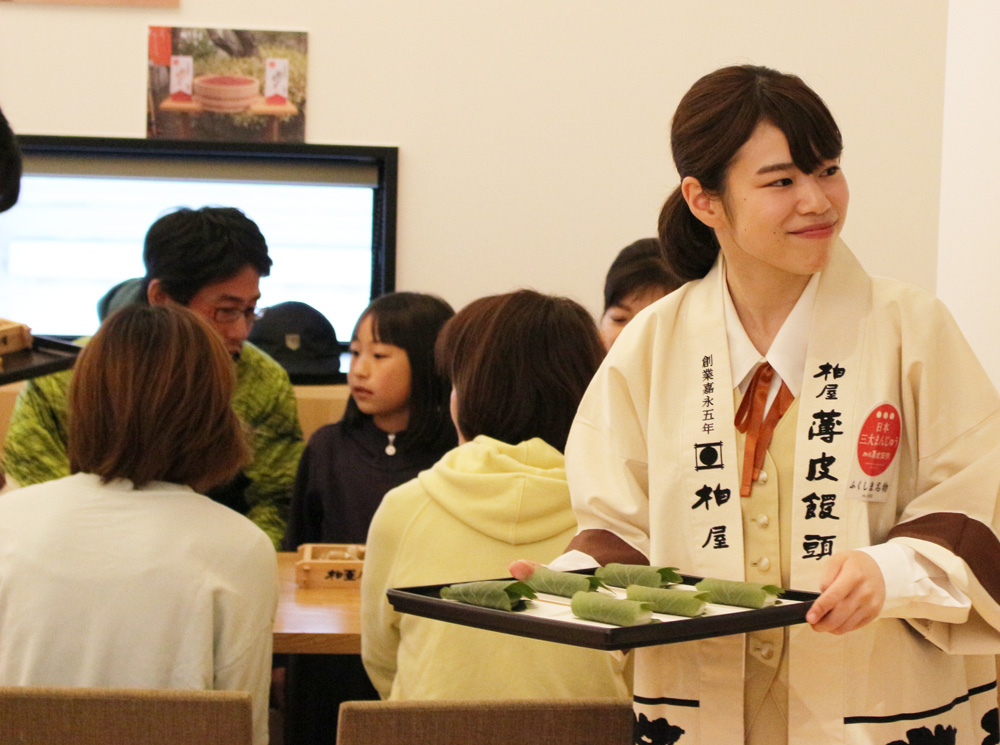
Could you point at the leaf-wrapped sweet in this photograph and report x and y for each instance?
(502, 594)
(595, 606)
(548, 580)
(743, 594)
(623, 575)
(673, 602)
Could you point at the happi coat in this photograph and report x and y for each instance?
(897, 438)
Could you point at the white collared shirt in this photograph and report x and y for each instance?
(787, 354)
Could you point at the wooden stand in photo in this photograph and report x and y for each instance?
(275, 112)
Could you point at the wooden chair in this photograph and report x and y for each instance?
(567, 722)
(99, 716)
(8, 395)
(319, 405)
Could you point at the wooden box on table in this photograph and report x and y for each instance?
(329, 565)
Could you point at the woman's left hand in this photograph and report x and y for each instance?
(853, 592)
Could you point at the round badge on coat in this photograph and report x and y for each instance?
(879, 439)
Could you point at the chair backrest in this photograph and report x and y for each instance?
(8, 395)
(100, 716)
(319, 405)
(566, 722)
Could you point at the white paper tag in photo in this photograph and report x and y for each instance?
(276, 79)
(181, 74)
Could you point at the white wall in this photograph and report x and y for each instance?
(533, 133)
(969, 259)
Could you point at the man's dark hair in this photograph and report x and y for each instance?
(189, 249)
(10, 166)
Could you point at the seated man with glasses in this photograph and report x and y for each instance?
(211, 261)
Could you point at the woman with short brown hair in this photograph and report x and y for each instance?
(519, 364)
(122, 575)
(169, 415)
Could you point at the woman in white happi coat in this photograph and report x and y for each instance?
(787, 419)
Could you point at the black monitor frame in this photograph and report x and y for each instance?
(384, 159)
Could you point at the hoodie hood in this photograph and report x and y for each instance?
(512, 493)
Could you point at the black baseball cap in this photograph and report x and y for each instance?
(302, 341)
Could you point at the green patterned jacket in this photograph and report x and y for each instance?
(35, 449)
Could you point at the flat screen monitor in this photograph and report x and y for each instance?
(326, 211)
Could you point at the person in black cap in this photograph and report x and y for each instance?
(300, 339)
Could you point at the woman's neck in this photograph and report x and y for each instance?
(763, 300)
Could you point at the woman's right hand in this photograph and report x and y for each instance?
(522, 569)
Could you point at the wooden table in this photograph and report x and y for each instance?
(324, 621)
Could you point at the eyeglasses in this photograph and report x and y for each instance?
(232, 315)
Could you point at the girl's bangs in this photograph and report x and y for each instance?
(383, 327)
(381, 331)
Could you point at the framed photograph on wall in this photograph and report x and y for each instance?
(226, 85)
(131, 3)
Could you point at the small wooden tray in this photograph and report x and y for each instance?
(329, 565)
(45, 356)
(550, 618)
(14, 336)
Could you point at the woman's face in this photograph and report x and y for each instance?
(775, 219)
(617, 316)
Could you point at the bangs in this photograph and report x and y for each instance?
(812, 134)
(810, 146)
(357, 325)
(378, 334)
(384, 329)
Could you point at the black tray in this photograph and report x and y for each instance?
(46, 356)
(426, 601)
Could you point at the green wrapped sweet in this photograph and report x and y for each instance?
(673, 602)
(623, 575)
(502, 594)
(743, 594)
(548, 580)
(595, 606)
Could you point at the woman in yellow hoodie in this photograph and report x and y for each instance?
(518, 364)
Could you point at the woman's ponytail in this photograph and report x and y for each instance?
(689, 245)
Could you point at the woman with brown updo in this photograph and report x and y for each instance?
(784, 418)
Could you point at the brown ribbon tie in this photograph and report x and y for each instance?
(750, 420)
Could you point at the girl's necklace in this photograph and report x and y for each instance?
(390, 449)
